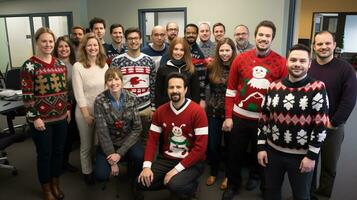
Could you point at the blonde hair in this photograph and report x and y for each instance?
(83, 56)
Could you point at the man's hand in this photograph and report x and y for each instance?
(146, 177)
(227, 125)
(169, 175)
(263, 158)
(114, 170)
(329, 126)
(113, 158)
(307, 165)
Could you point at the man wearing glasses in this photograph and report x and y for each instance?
(138, 75)
(241, 36)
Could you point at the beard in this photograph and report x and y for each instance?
(242, 43)
(175, 97)
(188, 39)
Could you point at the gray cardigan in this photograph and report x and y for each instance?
(117, 131)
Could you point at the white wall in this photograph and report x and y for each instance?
(229, 12)
(350, 39)
(77, 7)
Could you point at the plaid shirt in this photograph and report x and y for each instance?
(117, 130)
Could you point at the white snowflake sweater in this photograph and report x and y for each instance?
(293, 117)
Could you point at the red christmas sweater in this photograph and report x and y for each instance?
(44, 89)
(249, 79)
(184, 134)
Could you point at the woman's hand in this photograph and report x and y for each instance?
(89, 119)
(39, 124)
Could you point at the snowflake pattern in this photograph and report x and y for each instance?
(304, 101)
(289, 101)
(29, 66)
(301, 137)
(276, 133)
(317, 102)
(322, 136)
(275, 101)
(287, 136)
(30, 114)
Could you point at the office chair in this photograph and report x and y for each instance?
(13, 81)
(7, 139)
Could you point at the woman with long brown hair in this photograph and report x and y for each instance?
(88, 82)
(179, 61)
(64, 51)
(217, 77)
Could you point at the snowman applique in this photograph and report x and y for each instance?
(256, 88)
(178, 143)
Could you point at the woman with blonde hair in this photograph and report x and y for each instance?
(180, 60)
(44, 88)
(217, 77)
(88, 82)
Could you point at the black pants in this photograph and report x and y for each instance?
(278, 164)
(244, 132)
(72, 132)
(49, 148)
(183, 185)
(330, 154)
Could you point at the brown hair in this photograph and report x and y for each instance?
(111, 73)
(43, 30)
(83, 57)
(79, 27)
(266, 23)
(187, 53)
(215, 68)
(72, 56)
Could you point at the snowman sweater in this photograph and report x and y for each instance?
(293, 117)
(248, 81)
(182, 134)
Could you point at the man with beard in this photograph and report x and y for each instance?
(180, 128)
(241, 36)
(198, 59)
(341, 85)
(249, 78)
(172, 30)
(77, 34)
(292, 146)
(117, 46)
(207, 47)
(158, 47)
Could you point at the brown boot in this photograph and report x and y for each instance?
(57, 192)
(47, 192)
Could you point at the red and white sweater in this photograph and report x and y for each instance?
(248, 81)
(184, 134)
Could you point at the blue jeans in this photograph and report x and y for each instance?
(214, 150)
(134, 156)
(49, 147)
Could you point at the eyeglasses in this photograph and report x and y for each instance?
(133, 39)
(241, 34)
(172, 29)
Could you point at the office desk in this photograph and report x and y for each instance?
(9, 108)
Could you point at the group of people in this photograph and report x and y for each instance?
(164, 107)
